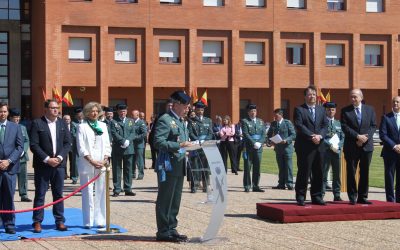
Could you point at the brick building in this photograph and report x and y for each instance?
(260, 51)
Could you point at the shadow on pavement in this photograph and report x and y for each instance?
(117, 237)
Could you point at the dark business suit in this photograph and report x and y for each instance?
(309, 156)
(390, 135)
(10, 149)
(42, 147)
(354, 154)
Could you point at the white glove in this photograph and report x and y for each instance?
(126, 144)
(257, 145)
(201, 141)
(334, 149)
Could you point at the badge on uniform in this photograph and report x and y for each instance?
(130, 123)
(173, 124)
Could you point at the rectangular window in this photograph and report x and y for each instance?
(126, 1)
(295, 53)
(125, 50)
(335, 5)
(254, 53)
(212, 52)
(169, 51)
(374, 5)
(334, 54)
(255, 3)
(4, 66)
(295, 4)
(79, 49)
(373, 55)
(213, 3)
(171, 1)
(10, 9)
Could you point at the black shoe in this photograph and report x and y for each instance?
(290, 188)
(328, 188)
(182, 237)
(301, 203)
(193, 190)
(25, 199)
(352, 202)
(246, 190)
(337, 198)
(74, 182)
(140, 178)
(319, 202)
(364, 201)
(257, 189)
(10, 231)
(279, 187)
(169, 238)
(115, 195)
(130, 193)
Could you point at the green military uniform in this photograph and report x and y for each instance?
(138, 160)
(200, 129)
(73, 167)
(252, 132)
(122, 158)
(108, 123)
(332, 158)
(284, 152)
(22, 175)
(169, 133)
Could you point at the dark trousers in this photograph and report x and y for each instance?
(154, 152)
(228, 147)
(199, 170)
(120, 162)
(138, 162)
(331, 159)
(352, 160)
(392, 169)
(7, 189)
(22, 180)
(252, 168)
(73, 168)
(239, 150)
(285, 165)
(309, 163)
(43, 177)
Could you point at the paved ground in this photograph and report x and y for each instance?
(241, 228)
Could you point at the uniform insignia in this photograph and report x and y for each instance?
(173, 124)
(130, 123)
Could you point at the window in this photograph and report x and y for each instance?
(125, 50)
(169, 51)
(214, 3)
(295, 53)
(212, 52)
(374, 6)
(255, 3)
(79, 49)
(295, 4)
(254, 53)
(10, 9)
(373, 55)
(335, 5)
(126, 1)
(170, 1)
(4, 66)
(334, 54)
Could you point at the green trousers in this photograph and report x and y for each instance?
(119, 163)
(252, 164)
(138, 161)
(22, 180)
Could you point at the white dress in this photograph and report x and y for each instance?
(93, 206)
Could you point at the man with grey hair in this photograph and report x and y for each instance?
(358, 124)
(139, 145)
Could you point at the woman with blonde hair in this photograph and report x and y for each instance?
(227, 145)
(94, 151)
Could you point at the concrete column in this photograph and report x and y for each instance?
(192, 57)
(356, 60)
(275, 64)
(148, 79)
(102, 68)
(315, 67)
(393, 65)
(234, 84)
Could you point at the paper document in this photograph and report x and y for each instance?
(334, 141)
(276, 139)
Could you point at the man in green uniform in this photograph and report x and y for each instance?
(332, 151)
(200, 130)
(73, 170)
(284, 149)
(109, 116)
(15, 116)
(123, 133)
(254, 137)
(141, 134)
(171, 137)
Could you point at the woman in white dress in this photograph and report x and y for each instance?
(94, 152)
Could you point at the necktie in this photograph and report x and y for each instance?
(312, 111)
(398, 121)
(278, 125)
(358, 113)
(2, 130)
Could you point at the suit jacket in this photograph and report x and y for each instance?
(201, 130)
(250, 130)
(351, 128)
(141, 133)
(287, 132)
(42, 145)
(12, 147)
(169, 133)
(305, 127)
(335, 128)
(120, 132)
(25, 137)
(390, 135)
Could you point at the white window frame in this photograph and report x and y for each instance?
(212, 52)
(298, 56)
(373, 53)
(125, 50)
(296, 4)
(254, 53)
(126, 1)
(338, 5)
(334, 55)
(171, 2)
(81, 49)
(255, 3)
(169, 51)
(374, 6)
(213, 3)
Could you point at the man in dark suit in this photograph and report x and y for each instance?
(359, 125)
(311, 126)
(73, 170)
(283, 150)
(50, 145)
(139, 144)
(389, 133)
(11, 148)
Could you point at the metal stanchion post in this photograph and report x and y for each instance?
(108, 229)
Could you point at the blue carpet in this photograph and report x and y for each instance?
(73, 217)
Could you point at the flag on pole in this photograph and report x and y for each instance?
(57, 95)
(320, 97)
(203, 98)
(68, 99)
(44, 94)
(328, 96)
(194, 95)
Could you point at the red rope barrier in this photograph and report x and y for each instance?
(54, 202)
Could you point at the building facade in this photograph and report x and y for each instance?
(241, 51)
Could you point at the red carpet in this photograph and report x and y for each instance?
(334, 211)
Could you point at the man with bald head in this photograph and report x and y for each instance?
(358, 124)
(138, 142)
(389, 134)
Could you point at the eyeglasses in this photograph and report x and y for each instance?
(54, 107)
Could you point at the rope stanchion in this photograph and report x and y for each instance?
(54, 202)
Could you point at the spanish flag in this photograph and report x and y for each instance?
(328, 96)
(203, 99)
(57, 95)
(194, 95)
(44, 94)
(320, 96)
(68, 99)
